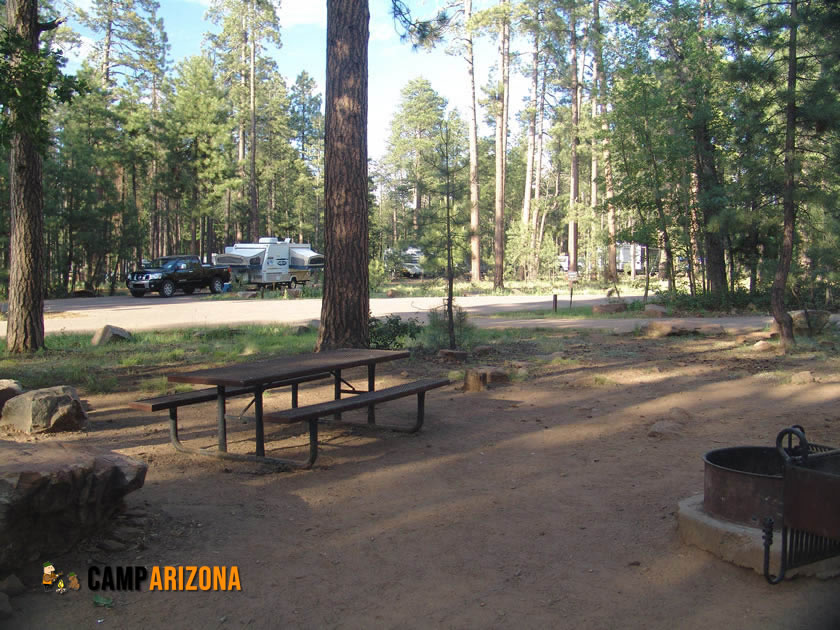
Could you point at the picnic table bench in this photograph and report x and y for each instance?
(364, 399)
(172, 402)
(256, 377)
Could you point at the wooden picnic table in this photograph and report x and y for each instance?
(261, 374)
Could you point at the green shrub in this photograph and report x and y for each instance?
(392, 332)
(376, 274)
(740, 299)
(435, 334)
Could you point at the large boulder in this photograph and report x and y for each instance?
(109, 334)
(809, 322)
(654, 310)
(44, 411)
(806, 322)
(8, 389)
(53, 495)
(612, 307)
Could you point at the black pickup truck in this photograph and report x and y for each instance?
(177, 273)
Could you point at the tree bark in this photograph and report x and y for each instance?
(574, 175)
(475, 224)
(346, 305)
(501, 156)
(254, 228)
(529, 161)
(777, 293)
(25, 329)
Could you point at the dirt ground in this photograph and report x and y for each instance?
(543, 503)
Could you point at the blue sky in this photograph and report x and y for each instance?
(392, 63)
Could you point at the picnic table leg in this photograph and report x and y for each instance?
(338, 391)
(294, 395)
(220, 410)
(258, 412)
(173, 427)
(371, 387)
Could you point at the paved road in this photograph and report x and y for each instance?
(153, 312)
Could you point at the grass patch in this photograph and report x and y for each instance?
(576, 312)
(70, 359)
(437, 287)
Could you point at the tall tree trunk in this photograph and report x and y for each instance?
(574, 175)
(475, 224)
(501, 156)
(346, 305)
(529, 161)
(777, 292)
(536, 240)
(25, 329)
(106, 46)
(254, 216)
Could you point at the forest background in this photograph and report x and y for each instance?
(674, 125)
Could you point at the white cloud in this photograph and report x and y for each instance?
(77, 54)
(383, 32)
(301, 12)
(85, 5)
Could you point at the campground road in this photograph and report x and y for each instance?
(153, 312)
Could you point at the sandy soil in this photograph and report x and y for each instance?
(543, 503)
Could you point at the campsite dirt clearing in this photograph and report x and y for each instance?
(543, 503)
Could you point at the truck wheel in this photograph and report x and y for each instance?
(167, 289)
(216, 285)
(137, 292)
(189, 290)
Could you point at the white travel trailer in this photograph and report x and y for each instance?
(270, 261)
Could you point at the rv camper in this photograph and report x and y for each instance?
(271, 261)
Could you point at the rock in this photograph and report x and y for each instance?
(665, 429)
(109, 334)
(497, 375)
(44, 411)
(678, 414)
(654, 310)
(12, 586)
(53, 495)
(612, 307)
(763, 346)
(315, 323)
(806, 322)
(666, 329)
(303, 330)
(455, 356)
(294, 293)
(809, 322)
(8, 389)
(711, 330)
(481, 351)
(802, 378)
(5, 607)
